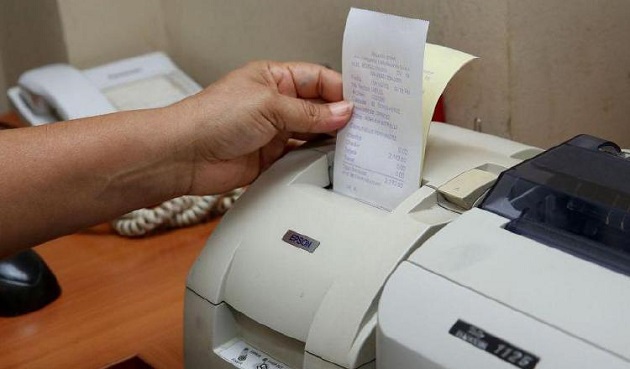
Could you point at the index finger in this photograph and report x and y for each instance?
(308, 81)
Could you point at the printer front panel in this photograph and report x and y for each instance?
(577, 296)
(321, 298)
(427, 321)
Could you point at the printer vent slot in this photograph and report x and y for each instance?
(285, 349)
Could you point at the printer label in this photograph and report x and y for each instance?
(244, 356)
(493, 345)
(300, 240)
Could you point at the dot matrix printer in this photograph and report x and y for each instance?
(535, 276)
(291, 277)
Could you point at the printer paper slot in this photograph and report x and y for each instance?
(255, 344)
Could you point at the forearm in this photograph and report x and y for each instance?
(59, 178)
(62, 177)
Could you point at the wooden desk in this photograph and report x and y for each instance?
(121, 298)
(10, 120)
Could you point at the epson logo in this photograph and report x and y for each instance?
(300, 240)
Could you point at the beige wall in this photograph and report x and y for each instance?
(4, 103)
(209, 38)
(570, 69)
(31, 35)
(100, 31)
(547, 69)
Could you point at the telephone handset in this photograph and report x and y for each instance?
(61, 92)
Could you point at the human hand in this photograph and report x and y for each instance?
(241, 123)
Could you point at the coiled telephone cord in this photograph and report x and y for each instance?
(179, 212)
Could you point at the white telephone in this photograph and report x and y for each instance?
(61, 92)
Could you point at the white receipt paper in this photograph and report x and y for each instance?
(379, 154)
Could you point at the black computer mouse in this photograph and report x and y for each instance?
(26, 284)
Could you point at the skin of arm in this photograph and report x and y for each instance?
(59, 178)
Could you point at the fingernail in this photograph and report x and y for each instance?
(340, 108)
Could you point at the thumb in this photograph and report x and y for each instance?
(303, 116)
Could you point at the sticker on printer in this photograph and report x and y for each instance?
(300, 240)
(494, 345)
(241, 355)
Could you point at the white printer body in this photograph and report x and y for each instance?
(535, 277)
(292, 276)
